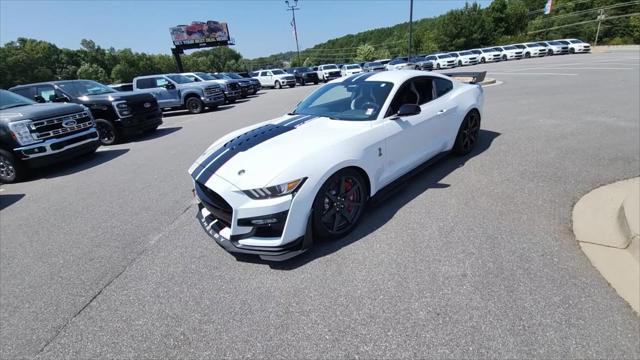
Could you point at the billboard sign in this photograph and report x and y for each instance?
(200, 34)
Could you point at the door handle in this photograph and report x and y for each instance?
(442, 111)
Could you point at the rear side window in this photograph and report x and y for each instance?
(47, 92)
(264, 73)
(26, 92)
(147, 83)
(443, 86)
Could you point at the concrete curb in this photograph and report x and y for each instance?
(606, 223)
(607, 48)
(488, 81)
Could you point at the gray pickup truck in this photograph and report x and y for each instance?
(178, 91)
(231, 88)
(35, 135)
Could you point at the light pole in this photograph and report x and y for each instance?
(293, 9)
(410, 27)
(599, 18)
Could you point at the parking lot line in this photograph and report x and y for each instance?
(538, 73)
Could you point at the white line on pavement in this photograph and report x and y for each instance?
(538, 73)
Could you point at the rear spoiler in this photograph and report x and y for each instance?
(471, 77)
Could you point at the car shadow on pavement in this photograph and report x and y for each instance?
(389, 201)
(172, 113)
(9, 199)
(78, 164)
(151, 135)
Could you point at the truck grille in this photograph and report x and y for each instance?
(289, 78)
(233, 86)
(334, 73)
(140, 107)
(53, 127)
(212, 91)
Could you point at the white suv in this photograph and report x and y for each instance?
(328, 72)
(275, 78)
(350, 69)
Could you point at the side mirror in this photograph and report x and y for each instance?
(170, 86)
(408, 110)
(59, 98)
(39, 99)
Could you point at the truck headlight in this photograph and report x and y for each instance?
(20, 131)
(122, 108)
(275, 191)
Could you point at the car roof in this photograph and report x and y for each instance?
(47, 82)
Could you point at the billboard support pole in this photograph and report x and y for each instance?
(176, 54)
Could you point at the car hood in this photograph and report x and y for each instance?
(129, 95)
(260, 163)
(39, 111)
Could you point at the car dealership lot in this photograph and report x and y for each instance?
(473, 257)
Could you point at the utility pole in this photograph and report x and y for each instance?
(599, 18)
(293, 9)
(410, 27)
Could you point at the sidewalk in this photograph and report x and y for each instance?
(606, 223)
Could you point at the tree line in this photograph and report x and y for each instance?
(502, 22)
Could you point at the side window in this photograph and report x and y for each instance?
(146, 83)
(161, 81)
(191, 77)
(407, 94)
(443, 86)
(47, 92)
(26, 92)
(425, 89)
(263, 73)
(269, 73)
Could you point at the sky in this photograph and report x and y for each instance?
(260, 27)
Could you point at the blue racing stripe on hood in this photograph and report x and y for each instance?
(244, 142)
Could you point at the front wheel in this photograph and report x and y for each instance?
(467, 134)
(482, 60)
(504, 57)
(107, 132)
(460, 63)
(339, 204)
(315, 82)
(194, 105)
(437, 66)
(527, 55)
(277, 85)
(572, 50)
(302, 83)
(11, 169)
(292, 85)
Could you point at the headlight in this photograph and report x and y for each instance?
(21, 132)
(122, 108)
(275, 191)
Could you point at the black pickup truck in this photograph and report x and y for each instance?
(117, 114)
(304, 75)
(34, 135)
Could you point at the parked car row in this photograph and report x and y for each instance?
(46, 122)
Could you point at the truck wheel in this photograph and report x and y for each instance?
(316, 82)
(302, 83)
(229, 101)
(277, 85)
(194, 105)
(11, 169)
(107, 132)
(292, 85)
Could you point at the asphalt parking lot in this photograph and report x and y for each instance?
(473, 257)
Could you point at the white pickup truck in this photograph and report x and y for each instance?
(274, 78)
(328, 72)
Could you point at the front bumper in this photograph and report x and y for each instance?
(215, 100)
(225, 213)
(139, 122)
(60, 149)
(231, 95)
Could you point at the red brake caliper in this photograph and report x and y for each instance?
(348, 184)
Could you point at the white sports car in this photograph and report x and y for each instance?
(271, 188)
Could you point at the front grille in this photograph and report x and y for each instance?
(217, 206)
(518, 52)
(289, 78)
(233, 86)
(212, 90)
(141, 107)
(52, 128)
(334, 73)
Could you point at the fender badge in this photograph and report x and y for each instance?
(241, 172)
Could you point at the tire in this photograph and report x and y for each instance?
(277, 85)
(504, 57)
(482, 60)
(527, 55)
(468, 133)
(339, 204)
(11, 169)
(460, 63)
(316, 82)
(292, 85)
(194, 105)
(107, 132)
(437, 66)
(229, 101)
(572, 51)
(302, 83)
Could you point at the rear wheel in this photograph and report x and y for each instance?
(194, 105)
(107, 132)
(11, 169)
(467, 134)
(339, 204)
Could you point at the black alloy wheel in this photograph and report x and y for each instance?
(106, 132)
(195, 105)
(468, 133)
(339, 204)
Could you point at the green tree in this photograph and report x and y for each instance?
(365, 52)
(92, 72)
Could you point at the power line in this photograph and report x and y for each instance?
(625, 4)
(583, 22)
(560, 6)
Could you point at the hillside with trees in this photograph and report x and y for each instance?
(502, 22)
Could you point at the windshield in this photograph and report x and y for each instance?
(466, 53)
(84, 87)
(453, 55)
(488, 50)
(277, 72)
(476, 51)
(555, 43)
(234, 76)
(497, 49)
(445, 56)
(205, 76)
(372, 64)
(180, 79)
(510, 48)
(11, 100)
(542, 44)
(532, 45)
(329, 67)
(353, 66)
(340, 101)
(398, 61)
(577, 41)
